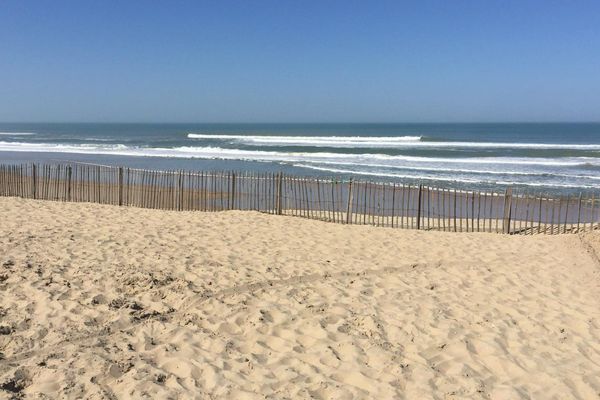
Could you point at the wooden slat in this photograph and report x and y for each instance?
(428, 208)
(461, 215)
(507, 210)
(560, 203)
(419, 207)
(438, 211)
(393, 204)
(566, 214)
(454, 212)
(579, 211)
(593, 206)
(349, 208)
(444, 193)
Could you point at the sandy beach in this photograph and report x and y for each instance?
(107, 302)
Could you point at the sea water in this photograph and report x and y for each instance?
(552, 157)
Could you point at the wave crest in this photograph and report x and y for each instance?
(311, 141)
(565, 172)
(382, 142)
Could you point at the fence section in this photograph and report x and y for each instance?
(347, 202)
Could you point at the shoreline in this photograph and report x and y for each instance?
(347, 202)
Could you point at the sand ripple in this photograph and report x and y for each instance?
(107, 302)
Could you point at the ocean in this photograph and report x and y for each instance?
(548, 157)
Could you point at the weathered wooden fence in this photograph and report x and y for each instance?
(347, 202)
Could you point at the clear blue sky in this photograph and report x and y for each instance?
(287, 61)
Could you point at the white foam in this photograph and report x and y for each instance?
(311, 141)
(386, 174)
(446, 179)
(17, 133)
(500, 145)
(252, 155)
(210, 152)
(381, 142)
(562, 172)
(447, 169)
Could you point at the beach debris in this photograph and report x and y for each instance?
(117, 303)
(265, 316)
(19, 382)
(5, 330)
(138, 315)
(3, 277)
(161, 378)
(115, 371)
(344, 328)
(170, 347)
(90, 322)
(146, 315)
(158, 281)
(8, 263)
(12, 386)
(335, 353)
(99, 299)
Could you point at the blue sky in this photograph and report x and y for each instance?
(299, 61)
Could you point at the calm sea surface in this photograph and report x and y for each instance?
(559, 157)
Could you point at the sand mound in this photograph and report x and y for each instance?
(107, 302)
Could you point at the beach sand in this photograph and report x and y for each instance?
(105, 302)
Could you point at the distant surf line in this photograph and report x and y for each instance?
(259, 155)
(209, 152)
(459, 170)
(444, 179)
(382, 141)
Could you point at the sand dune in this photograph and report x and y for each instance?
(103, 302)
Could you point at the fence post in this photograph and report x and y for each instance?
(592, 212)
(120, 186)
(69, 174)
(180, 186)
(279, 190)
(507, 210)
(419, 208)
(232, 204)
(579, 212)
(34, 188)
(349, 208)
(539, 228)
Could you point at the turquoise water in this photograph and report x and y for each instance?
(549, 157)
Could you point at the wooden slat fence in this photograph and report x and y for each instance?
(358, 202)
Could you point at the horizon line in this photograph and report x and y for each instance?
(298, 123)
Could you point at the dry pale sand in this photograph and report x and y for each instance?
(108, 302)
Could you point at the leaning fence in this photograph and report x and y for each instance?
(351, 201)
